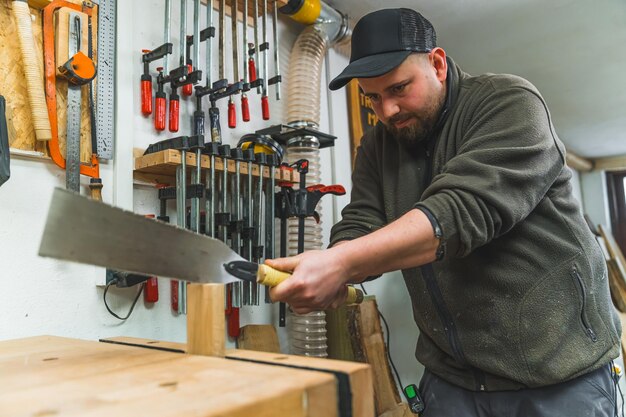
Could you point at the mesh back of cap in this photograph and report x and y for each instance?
(417, 34)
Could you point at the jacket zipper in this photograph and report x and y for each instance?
(437, 297)
(583, 297)
(449, 324)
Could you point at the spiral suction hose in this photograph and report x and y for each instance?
(307, 333)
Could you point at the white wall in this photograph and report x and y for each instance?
(44, 296)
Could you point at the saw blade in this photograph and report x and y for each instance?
(82, 230)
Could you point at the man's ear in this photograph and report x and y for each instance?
(440, 64)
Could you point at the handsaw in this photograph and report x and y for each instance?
(114, 238)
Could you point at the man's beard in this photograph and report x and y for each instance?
(424, 123)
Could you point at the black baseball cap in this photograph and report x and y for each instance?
(382, 40)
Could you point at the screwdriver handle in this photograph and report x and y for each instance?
(146, 95)
(159, 111)
(245, 108)
(188, 88)
(265, 107)
(174, 112)
(232, 114)
(214, 122)
(271, 277)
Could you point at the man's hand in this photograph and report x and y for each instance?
(318, 281)
(319, 278)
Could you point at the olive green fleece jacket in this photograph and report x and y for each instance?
(519, 297)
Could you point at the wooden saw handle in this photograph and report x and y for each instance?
(271, 277)
(32, 70)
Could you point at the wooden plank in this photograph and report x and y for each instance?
(164, 163)
(369, 347)
(616, 285)
(206, 329)
(578, 162)
(339, 340)
(355, 333)
(259, 337)
(359, 375)
(614, 251)
(38, 361)
(614, 163)
(163, 384)
(400, 410)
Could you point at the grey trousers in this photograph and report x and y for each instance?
(591, 395)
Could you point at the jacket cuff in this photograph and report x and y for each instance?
(441, 249)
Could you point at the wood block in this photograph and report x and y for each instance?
(355, 333)
(62, 35)
(353, 380)
(339, 339)
(68, 377)
(400, 410)
(259, 337)
(206, 328)
(365, 329)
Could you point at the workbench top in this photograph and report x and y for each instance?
(54, 376)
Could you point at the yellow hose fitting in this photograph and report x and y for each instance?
(308, 13)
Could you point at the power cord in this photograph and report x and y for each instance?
(388, 336)
(615, 375)
(410, 392)
(106, 289)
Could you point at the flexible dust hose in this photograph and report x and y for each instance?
(307, 332)
(304, 76)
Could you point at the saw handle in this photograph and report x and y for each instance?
(271, 277)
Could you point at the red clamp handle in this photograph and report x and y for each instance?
(265, 106)
(174, 295)
(327, 189)
(232, 114)
(232, 315)
(174, 114)
(188, 88)
(151, 290)
(245, 109)
(159, 113)
(146, 97)
(252, 70)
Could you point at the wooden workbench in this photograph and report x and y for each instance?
(53, 376)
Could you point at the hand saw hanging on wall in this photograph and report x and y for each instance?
(77, 70)
(110, 237)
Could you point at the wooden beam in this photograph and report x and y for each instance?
(358, 375)
(259, 337)
(613, 163)
(578, 163)
(164, 163)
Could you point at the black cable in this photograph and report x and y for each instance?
(106, 289)
(619, 388)
(388, 336)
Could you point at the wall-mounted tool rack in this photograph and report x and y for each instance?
(161, 167)
(270, 8)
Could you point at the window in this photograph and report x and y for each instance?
(616, 182)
